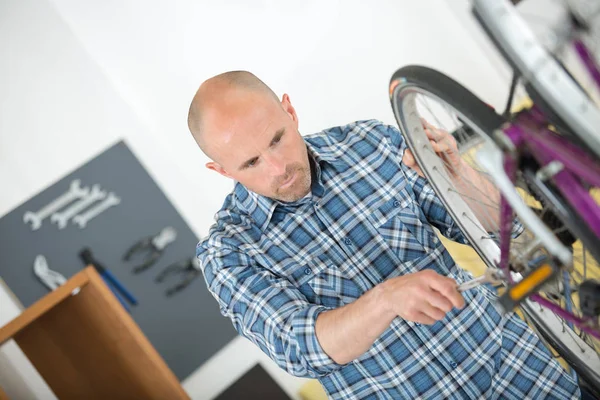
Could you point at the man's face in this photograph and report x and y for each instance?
(257, 143)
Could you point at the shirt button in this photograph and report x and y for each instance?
(417, 324)
(396, 203)
(453, 364)
(307, 271)
(348, 241)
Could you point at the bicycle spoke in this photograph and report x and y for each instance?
(439, 124)
(450, 168)
(467, 181)
(487, 235)
(487, 217)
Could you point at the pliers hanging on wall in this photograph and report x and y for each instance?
(154, 245)
(189, 268)
(52, 279)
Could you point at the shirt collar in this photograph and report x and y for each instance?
(321, 153)
(261, 208)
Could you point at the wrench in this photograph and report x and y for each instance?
(61, 218)
(491, 275)
(83, 219)
(75, 192)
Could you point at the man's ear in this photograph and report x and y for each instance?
(287, 106)
(217, 167)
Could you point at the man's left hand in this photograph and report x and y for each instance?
(443, 143)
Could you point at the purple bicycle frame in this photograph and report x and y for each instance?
(530, 132)
(587, 59)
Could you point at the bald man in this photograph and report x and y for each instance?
(324, 256)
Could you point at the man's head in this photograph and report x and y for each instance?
(250, 135)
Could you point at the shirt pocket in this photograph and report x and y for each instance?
(323, 283)
(403, 227)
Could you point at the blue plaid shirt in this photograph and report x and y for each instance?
(274, 267)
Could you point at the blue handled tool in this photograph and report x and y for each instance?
(111, 281)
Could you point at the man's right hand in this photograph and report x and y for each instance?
(423, 296)
(348, 331)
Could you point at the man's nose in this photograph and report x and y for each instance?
(276, 165)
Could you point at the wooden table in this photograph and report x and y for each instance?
(86, 346)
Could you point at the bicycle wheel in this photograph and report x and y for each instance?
(419, 92)
(534, 42)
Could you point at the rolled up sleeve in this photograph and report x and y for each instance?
(267, 310)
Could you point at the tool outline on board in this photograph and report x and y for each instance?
(61, 218)
(118, 289)
(154, 244)
(51, 279)
(83, 219)
(75, 192)
(190, 266)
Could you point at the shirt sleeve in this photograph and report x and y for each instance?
(267, 310)
(433, 208)
(426, 198)
(429, 202)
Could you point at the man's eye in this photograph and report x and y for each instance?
(252, 163)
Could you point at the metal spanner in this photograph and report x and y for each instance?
(492, 276)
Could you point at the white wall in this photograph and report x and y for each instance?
(78, 75)
(333, 57)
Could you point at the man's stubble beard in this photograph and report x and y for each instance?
(299, 188)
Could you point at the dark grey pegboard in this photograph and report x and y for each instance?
(186, 329)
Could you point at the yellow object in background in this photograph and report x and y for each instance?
(312, 390)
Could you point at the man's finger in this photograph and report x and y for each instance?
(448, 288)
(432, 312)
(436, 133)
(431, 134)
(439, 301)
(440, 147)
(423, 319)
(408, 158)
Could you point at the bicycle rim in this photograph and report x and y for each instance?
(425, 93)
